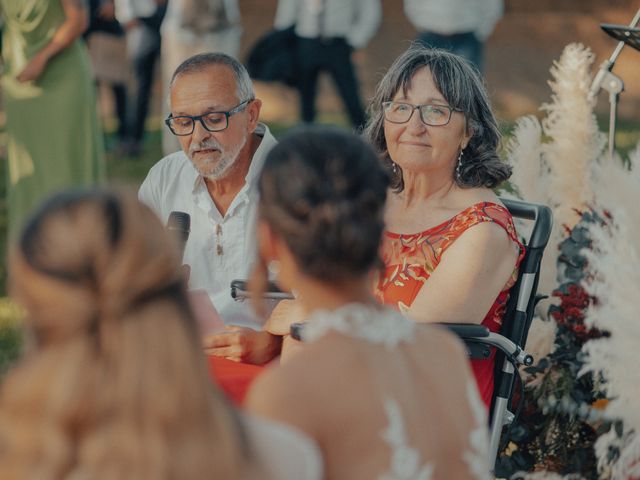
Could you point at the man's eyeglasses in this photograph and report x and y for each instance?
(212, 121)
(433, 115)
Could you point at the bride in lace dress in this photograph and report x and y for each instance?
(383, 397)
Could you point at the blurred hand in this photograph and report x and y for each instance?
(186, 272)
(285, 313)
(131, 24)
(242, 344)
(107, 11)
(33, 70)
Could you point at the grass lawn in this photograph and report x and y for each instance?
(132, 171)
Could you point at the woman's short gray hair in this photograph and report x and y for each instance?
(463, 89)
(202, 61)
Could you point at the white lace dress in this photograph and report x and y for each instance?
(380, 325)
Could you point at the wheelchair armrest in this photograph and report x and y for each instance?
(240, 291)
(479, 339)
(295, 330)
(467, 330)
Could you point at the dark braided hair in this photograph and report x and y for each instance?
(323, 190)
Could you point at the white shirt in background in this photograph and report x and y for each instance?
(177, 10)
(355, 20)
(127, 10)
(173, 184)
(447, 17)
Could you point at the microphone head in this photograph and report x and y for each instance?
(180, 222)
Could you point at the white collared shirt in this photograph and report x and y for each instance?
(355, 20)
(173, 184)
(447, 17)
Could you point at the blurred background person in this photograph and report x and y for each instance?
(113, 384)
(329, 31)
(191, 27)
(107, 49)
(459, 26)
(382, 397)
(141, 20)
(450, 248)
(53, 137)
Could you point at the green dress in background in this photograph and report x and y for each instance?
(53, 138)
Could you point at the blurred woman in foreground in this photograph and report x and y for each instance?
(382, 397)
(114, 384)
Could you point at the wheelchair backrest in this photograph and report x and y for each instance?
(522, 298)
(523, 295)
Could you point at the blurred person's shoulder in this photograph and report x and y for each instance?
(440, 348)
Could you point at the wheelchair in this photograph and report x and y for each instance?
(511, 339)
(479, 341)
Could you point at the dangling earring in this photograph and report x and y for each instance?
(459, 167)
(394, 167)
(274, 269)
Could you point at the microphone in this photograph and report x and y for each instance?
(179, 224)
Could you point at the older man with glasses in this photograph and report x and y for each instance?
(214, 114)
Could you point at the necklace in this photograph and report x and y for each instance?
(373, 323)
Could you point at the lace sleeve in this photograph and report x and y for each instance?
(405, 460)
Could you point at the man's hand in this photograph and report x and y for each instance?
(242, 344)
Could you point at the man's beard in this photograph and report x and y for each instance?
(212, 169)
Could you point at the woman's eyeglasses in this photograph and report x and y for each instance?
(430, 114)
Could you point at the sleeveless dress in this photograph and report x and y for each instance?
(387, 328)
(409, 260)
(53, 138)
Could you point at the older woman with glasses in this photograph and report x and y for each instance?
(450, 249)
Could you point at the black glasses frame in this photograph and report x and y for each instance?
(199, 118)
(386, 105)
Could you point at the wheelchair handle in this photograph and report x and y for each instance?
(540, 214)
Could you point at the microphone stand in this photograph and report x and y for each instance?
(606, 80)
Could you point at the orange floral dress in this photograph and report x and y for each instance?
(409, 260)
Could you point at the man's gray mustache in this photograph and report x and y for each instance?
(206, 145)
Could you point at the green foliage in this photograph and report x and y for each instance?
(10, 334)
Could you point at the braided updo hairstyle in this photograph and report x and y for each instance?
(114, 384)
(323, 191)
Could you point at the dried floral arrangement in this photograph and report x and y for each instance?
(581, 409)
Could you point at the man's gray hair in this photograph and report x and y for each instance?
(462, 87)
(202, 61)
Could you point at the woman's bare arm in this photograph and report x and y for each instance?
(469, 277)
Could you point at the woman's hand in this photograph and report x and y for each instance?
(34, 69)
(75, 23)
(285, 313)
